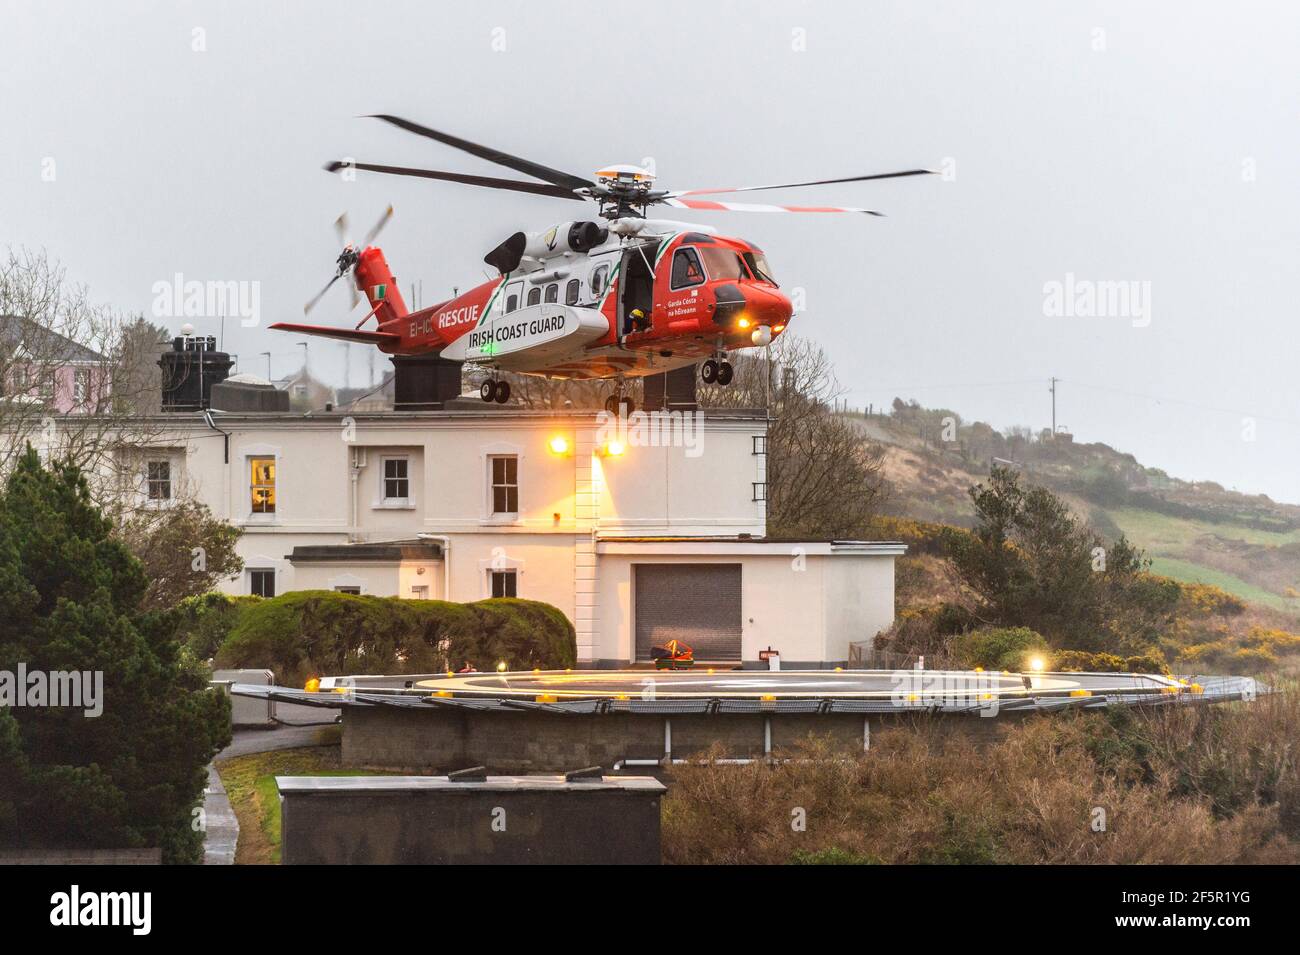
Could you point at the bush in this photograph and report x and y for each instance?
(307, 633)
(206, 620)
(998, 648)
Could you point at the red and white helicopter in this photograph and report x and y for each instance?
(636, 296)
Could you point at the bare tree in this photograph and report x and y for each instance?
(823, 477)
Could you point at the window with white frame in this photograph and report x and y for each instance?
(262, 484)
(505, 583)
(505, 483)
(158, 480)
(261, 582)
(397, 480)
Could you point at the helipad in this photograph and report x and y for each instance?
(786, 685)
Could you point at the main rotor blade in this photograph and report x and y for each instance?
(378, 227)
(512, 185)
(341, 230)
(711, 205)
(321, 294)
(797, 185)
(527, 167)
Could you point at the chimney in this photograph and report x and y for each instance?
(190, 370)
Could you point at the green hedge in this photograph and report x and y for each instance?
(999, 648)
(309, 633)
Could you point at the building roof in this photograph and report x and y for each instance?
(41, 343)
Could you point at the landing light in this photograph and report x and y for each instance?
(615, 449)
(559, 444)
(742, 323)
(1036, 664)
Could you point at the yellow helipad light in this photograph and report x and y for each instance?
(442, 693)
(979, 669)
(1081, 692)
(312, 685)
(559, 444)
(1036, 664)
(501, 667)
(768, 698)
(547, 698)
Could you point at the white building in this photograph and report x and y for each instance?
(636, 543)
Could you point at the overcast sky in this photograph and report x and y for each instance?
(1144, 143)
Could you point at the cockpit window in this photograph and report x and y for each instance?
(724, 264)
(686, 269)
(757, 263)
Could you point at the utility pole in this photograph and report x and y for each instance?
(1053, 391)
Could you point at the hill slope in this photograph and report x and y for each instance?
(1193, 531)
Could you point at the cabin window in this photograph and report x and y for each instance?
(513, 292)
(552, 293)
(534, 296)
(724, 264)
(598, 280)
(687, 270)
(571, 292)
(505, 484)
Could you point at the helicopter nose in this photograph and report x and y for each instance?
(767, 306)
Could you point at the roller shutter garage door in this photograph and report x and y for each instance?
(698, 604)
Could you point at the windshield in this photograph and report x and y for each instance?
(757, 263)
(723, 264)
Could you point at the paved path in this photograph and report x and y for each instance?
(222, 832)
(222, 828)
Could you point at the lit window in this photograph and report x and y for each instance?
(263, 485)
(505, 583)
(261, 583)
(397, 484)
(159, 480)
(505, 484)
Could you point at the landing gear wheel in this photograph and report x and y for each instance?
(709, 372)
(502, 392)
(725, 373)
(611, 404)
(626, 406)
(487, 390)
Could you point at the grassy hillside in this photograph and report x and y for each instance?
(1197, 532)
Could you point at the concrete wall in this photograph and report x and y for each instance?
(422, 820)
(441, 740)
